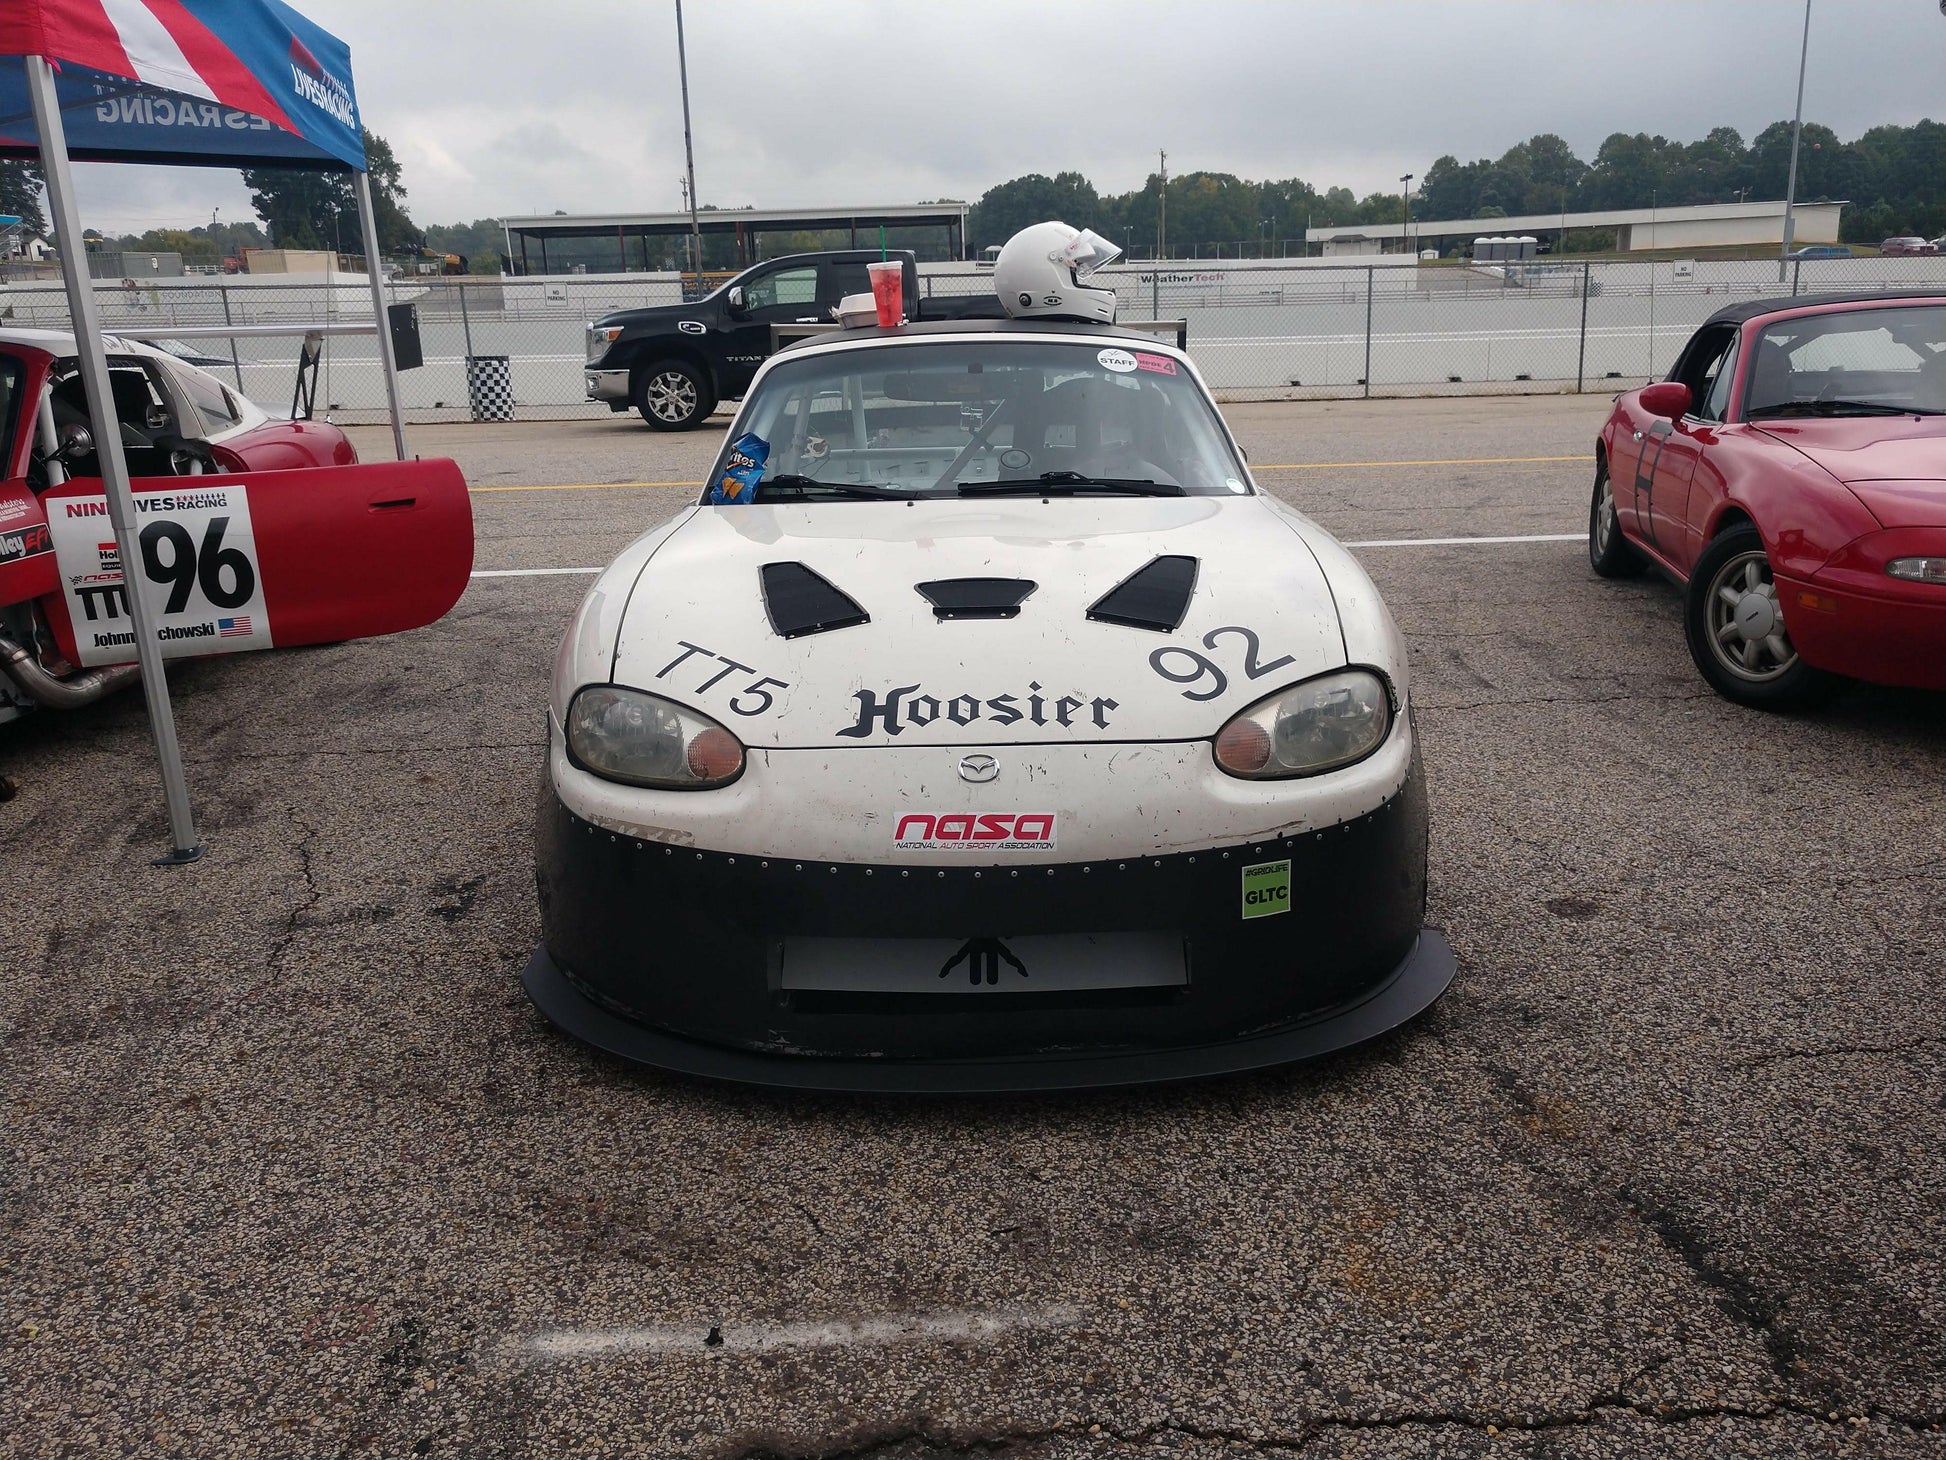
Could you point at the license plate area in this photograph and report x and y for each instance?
(1036, 963)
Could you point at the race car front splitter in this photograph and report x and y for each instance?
(927, 978)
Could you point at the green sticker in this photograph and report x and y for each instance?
(1266, 889)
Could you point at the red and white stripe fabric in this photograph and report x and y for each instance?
(157, 42)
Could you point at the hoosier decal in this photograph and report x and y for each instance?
(905, 708)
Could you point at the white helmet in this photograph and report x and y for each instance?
(1040, 270)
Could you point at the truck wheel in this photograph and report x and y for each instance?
(672, 395)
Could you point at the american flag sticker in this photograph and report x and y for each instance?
(233, 628)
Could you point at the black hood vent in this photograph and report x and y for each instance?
(801, 602)
(1155, 596)
(976, 597)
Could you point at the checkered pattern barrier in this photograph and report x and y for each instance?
(490, 387)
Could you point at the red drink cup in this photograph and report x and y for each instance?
(888, 291)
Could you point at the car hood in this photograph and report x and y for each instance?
(1869, 448)
(1262, 615)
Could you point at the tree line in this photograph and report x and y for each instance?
(1893, 177)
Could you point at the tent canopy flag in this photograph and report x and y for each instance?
(216, 83)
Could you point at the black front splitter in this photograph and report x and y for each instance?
(1419, 979)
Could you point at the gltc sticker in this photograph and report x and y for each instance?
(1119, 361)
(1267, 889)
(1160, 364)
(195, 543)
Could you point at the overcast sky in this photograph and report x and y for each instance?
(507, 106)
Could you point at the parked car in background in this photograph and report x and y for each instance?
(1791, 473)
(1821, 251)
(175, 419)
(1894, 246)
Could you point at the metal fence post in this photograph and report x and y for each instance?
(1369, 272)
(235, 364)
(1581, 360)
(465, 322)
(1797, 268)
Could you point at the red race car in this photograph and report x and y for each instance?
(174, 418)
(254, 533)
(1791, 473)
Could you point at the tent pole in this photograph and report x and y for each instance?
(108, 452)
(387, 357)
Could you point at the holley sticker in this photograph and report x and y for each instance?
(1267, 889)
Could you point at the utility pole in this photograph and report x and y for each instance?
(1162, 211)
(1405, 228)
(689, 153)
(1797, 131)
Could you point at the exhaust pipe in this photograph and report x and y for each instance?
(61, 694)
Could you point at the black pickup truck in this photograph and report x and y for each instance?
(674, 362)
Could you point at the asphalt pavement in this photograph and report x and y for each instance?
(291, 1167)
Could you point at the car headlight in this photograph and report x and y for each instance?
(644, 740)
(600, 337)
(1918, 570)
(1309, 728)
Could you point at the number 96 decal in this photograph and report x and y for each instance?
(1186, 666)
(194, 544)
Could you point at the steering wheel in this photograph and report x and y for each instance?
(188, 458)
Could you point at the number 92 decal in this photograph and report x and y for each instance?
(1186, 666)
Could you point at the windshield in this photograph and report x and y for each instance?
(1852, 362)
(934, 419)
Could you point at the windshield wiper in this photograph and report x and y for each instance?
(790, 484)
(1070, 484)
(1836, 408)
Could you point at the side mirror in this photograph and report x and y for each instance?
(75, 440)
(734, 299)
(1669, 399)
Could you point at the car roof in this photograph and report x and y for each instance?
(1750, 309)
(1029, 328)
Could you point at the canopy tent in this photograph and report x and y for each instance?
(218, 83)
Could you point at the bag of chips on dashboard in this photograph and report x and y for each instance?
(742, 471)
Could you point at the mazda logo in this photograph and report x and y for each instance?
(978, 769)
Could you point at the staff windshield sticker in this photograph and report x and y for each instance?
(1119, 361)
(1267, 889)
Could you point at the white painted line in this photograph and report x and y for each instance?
(1379, 542)
(530, 572)
(949, 1326)
(1467, 541)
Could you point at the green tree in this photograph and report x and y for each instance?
(20, 195)
(319, 209)
(1004, 210)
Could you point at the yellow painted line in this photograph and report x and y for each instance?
(581, 486)
(1443, 461)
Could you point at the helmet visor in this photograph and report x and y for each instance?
(1088, 251)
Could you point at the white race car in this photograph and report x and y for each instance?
(983, 727)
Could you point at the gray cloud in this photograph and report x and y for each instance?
(576, 106)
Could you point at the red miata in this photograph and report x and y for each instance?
(1791, 474)
(256, 532)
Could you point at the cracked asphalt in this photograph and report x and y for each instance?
(292, 1168)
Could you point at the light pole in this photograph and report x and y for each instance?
(1797, 132)
(689, 152)
(1405, 229)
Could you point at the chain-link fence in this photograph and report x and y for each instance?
(1276, 329)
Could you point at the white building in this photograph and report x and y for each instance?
(1708, 225)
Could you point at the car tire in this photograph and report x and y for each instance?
(673, 395)
(1609, 553)
(1736, 629)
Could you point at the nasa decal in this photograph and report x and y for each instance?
(197, 553)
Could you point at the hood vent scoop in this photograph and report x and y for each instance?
(801, 602)
(1155, 596)
(976, 597)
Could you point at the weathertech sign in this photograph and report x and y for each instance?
(965, 831)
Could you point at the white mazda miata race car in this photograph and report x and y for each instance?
(982, 727)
